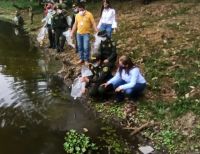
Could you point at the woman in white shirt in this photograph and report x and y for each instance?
(107, 21)
(128, 80)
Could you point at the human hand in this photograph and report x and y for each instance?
(114, 30)
(53, 31)
(104, 85)
(118, 89)
(83, 91)
(105, 61)
(71, 35)
(84, 79)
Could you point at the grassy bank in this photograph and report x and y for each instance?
(163, 39)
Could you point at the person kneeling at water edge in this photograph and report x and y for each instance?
(128, 80)
(101, 73)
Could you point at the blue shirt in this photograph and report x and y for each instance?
(131, 79)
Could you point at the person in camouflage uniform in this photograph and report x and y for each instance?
(107, 50)
(101, 73)
(59, 25)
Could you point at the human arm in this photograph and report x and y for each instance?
(94, 26)
(113, 54)
(114, 22)
(114, 79)
(74, 28)
(134, 73)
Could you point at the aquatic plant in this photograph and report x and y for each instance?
(78, 143)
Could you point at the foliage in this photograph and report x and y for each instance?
(112, 110)
(167, 138)
(76, 143)
(113, 142)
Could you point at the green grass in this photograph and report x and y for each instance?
(23, 4)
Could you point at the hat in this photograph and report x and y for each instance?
(96, 57)
(102, 33)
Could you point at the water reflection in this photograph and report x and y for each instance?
(32, 119)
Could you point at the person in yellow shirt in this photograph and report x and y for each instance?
(84, 24)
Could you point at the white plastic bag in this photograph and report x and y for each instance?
(96, 44)
(68, 38)
(77, 88)
(69, 20)
(85, 71)
(41, 34)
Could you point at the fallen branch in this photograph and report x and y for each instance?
(146, 125)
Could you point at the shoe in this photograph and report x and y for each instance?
(58, 50)
(80, 62)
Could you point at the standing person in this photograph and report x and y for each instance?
(48, 22)
(128, 80)
(59, 25)
(75, 12)
(84, 22)
(108, 18)
(30, 13)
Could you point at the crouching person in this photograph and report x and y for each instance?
(127, 81)
(100, 75)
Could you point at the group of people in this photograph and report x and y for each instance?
(127, 80)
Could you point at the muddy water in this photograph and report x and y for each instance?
(33, 120)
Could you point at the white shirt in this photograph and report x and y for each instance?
(108, 17)
(49, 17)
(131, 79)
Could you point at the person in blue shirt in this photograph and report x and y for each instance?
(127, 81)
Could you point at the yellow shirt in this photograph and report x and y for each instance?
(84, 23)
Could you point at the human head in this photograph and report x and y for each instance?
(59, 9)
(106, 4)
(103, 35)
(75, 8)
(96, 58)
(81, 8)
(125, 62)
(17, 13)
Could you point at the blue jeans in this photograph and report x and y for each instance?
(108, 28)
(83, 41)
(133, 93)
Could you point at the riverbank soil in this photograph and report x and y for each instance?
(163, 38)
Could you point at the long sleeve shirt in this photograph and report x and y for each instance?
(49, 16)
(131, 79)
(108, 17)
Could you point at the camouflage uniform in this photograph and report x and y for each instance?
(107, 51)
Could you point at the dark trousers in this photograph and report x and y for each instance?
(51, 37)
(132, 93)
(59, 40)
(146, 1)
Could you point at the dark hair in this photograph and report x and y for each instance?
(81, 5)
(102, 7)
(127, 62)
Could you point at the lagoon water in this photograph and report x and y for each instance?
(32, 119)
